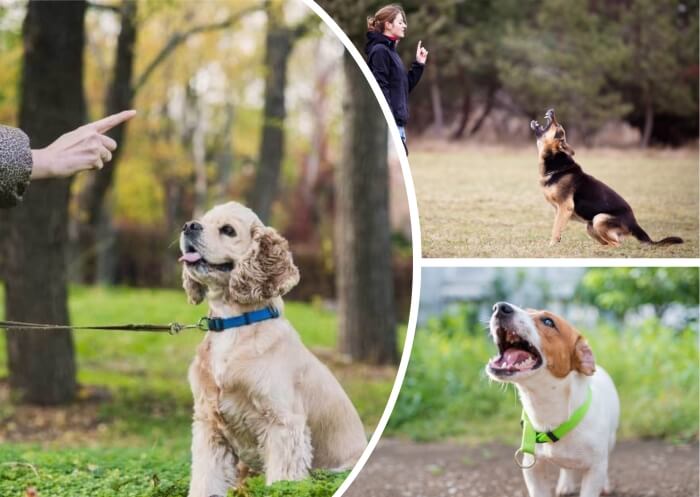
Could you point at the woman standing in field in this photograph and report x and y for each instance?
(384, 30)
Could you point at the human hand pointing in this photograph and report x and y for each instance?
(86, 147)
(421, 53)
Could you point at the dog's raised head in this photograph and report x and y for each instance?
(532, 342)
(551, 136)
(231, 252)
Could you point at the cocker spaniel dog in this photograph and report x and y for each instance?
(261, 398)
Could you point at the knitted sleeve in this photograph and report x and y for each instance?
(15, 165)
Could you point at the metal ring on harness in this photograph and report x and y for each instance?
(520, 461)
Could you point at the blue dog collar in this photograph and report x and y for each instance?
(221, 324)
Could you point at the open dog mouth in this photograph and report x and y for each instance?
(192, 258)
(539, 129)
(515, 354)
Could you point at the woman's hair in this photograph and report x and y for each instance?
(386, 14)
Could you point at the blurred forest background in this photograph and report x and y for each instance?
(493, 66)
(254, 101)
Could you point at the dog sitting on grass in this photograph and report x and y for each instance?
(575, 194)
(260, 397)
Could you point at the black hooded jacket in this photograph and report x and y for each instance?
(389, 71)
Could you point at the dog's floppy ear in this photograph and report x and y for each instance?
(583, 360)
(195, 291)
(266, 271)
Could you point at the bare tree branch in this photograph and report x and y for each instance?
(180, 37)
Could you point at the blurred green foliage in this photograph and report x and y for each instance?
(621, 289)
(447, 394)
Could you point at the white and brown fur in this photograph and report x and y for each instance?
(579, 196)
(550, 391)
(261, 398)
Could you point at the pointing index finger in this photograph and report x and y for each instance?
(107, 123)
(420, 42)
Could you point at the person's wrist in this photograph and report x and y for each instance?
(41, 165)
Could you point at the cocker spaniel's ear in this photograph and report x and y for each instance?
(195, 291)
(266, 271)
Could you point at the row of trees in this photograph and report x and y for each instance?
(188, 129)
(594, 61)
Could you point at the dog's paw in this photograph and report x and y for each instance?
(554, 241)
(569, 483)
(608, 488)
(564, 490)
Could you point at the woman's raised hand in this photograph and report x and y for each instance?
(421, 53)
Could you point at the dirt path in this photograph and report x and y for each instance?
(406, 469)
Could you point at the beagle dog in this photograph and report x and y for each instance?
(555, 374)
(262, 400)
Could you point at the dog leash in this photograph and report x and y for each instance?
(204, 324)
(171, 328)
(532, 436)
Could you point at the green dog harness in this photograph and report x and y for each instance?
(532, 436)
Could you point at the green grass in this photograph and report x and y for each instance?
(486, 202)
(144, 426)
(446, 393)
(129, 473)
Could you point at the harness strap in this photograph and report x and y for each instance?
(532, 436)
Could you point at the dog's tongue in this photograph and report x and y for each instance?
(511, 357)
(190, 257)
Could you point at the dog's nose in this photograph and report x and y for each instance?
(191, 226)
(502, 308)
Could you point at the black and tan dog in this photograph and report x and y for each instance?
(575, 194)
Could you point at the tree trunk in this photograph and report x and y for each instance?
(119, 97)
(464, 113)
(224, 157)
(366, 312)
(648, 122)
(488, 107)
(42, 364)
(200, 169)
(436, 100)
(278, 46)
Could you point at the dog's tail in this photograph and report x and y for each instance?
(642, 236)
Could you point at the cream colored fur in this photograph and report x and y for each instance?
(260, 396)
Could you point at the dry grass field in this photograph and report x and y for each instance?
(478, 201)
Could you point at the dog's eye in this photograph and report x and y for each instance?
(548, 322)
(227, 230)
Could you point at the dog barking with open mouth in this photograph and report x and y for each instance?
(570, 405)
(262, 400)
(581, 197)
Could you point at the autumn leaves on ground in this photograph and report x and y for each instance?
(480, 201)
(129, 433)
